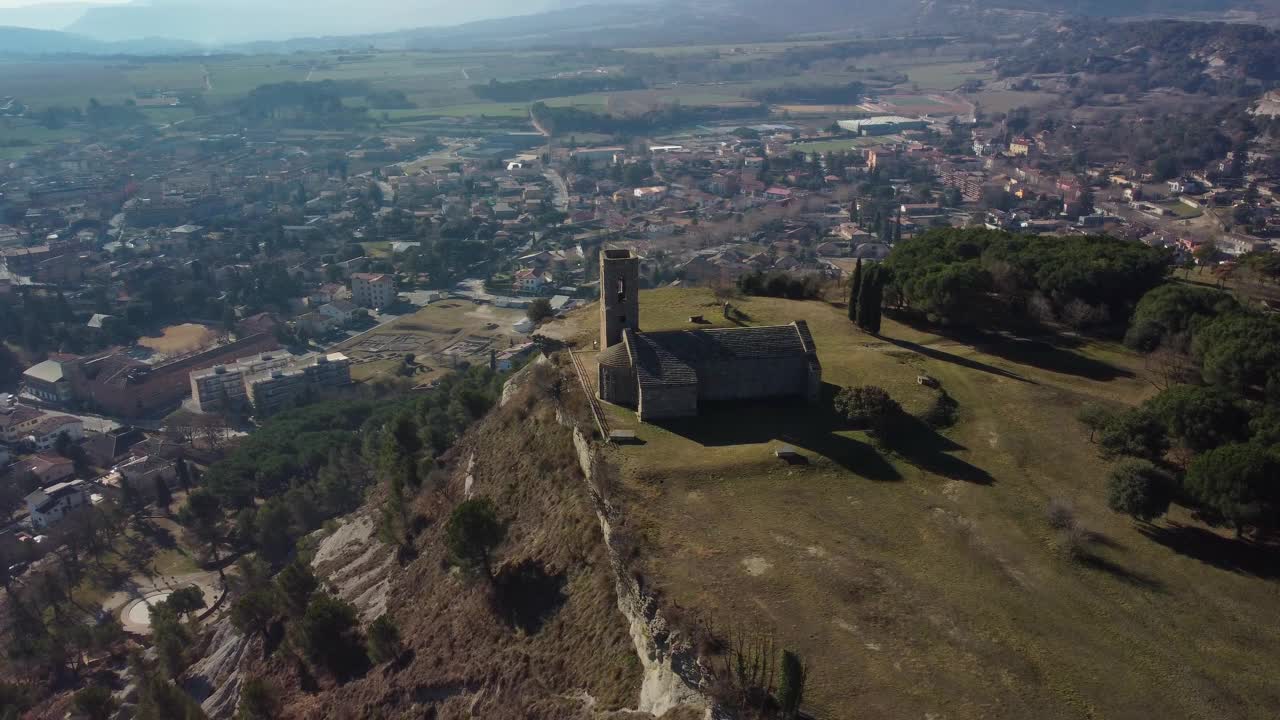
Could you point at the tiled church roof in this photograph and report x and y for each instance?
(670, 358)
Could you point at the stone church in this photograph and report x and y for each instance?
(669, 374)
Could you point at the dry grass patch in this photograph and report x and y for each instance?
(180, 339)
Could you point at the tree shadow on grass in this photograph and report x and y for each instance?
(1119, 572)
(1239, 556)
(964, 362)
(1049, 354)
(927, 449)
(1045, 351)
(162, 537)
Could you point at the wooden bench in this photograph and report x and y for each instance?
(622, 437)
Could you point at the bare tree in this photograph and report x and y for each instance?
(1166, 366)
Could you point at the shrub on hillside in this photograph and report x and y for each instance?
(472, 533)
(867, 407)
(539, 310)
(1136, 433)
(1139, 489)
(384, 640)
(329, 634)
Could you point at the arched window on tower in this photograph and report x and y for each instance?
(622, 289)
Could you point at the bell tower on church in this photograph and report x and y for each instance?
(619, 295)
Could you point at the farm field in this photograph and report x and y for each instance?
(927, 581)
(993, 101)
(478, 109)
(945, 76)
(20, 131)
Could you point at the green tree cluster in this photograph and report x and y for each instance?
(779, 284)
(973, 276)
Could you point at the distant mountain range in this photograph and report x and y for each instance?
(163, 26)
(28, 41)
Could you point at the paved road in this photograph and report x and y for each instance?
(561, 190)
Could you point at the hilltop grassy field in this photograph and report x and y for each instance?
(927, 581)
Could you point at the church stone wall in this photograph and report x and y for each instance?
(748, 379)
(618, 385)
(670, 401)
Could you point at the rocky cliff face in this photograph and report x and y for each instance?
(561, 632)
(673, 676)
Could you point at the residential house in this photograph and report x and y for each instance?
(141, 473)
(50, 468)
(46, 432)
(17, 422)
(102, 449)
(340, 312)
(47, 507)
(373, 291)
(326, 294)
(1021, 146)
(505, 360)
(530, 281)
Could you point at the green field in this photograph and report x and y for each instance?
(945, 76)
(826, 146)
(1183, 210)
(993, 101)
(473, 109)
(927, 581)
(27, 131)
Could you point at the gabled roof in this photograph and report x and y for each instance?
(47, 371)
(672, 358)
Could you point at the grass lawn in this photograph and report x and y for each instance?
(477, 109)
(927, 582)
(1183, 210)
(825, 146)
(993, 101)
(945, 76)
(377, 249)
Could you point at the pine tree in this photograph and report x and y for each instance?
(855, 286)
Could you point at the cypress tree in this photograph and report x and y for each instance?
(869, 298)
(855, 286)
(876, 300)
(791, 685)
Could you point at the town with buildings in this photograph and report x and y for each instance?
(234, 327)
(271, 269)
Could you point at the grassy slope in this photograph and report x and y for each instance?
(934, 585)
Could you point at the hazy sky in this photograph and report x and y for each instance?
(30, 3)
